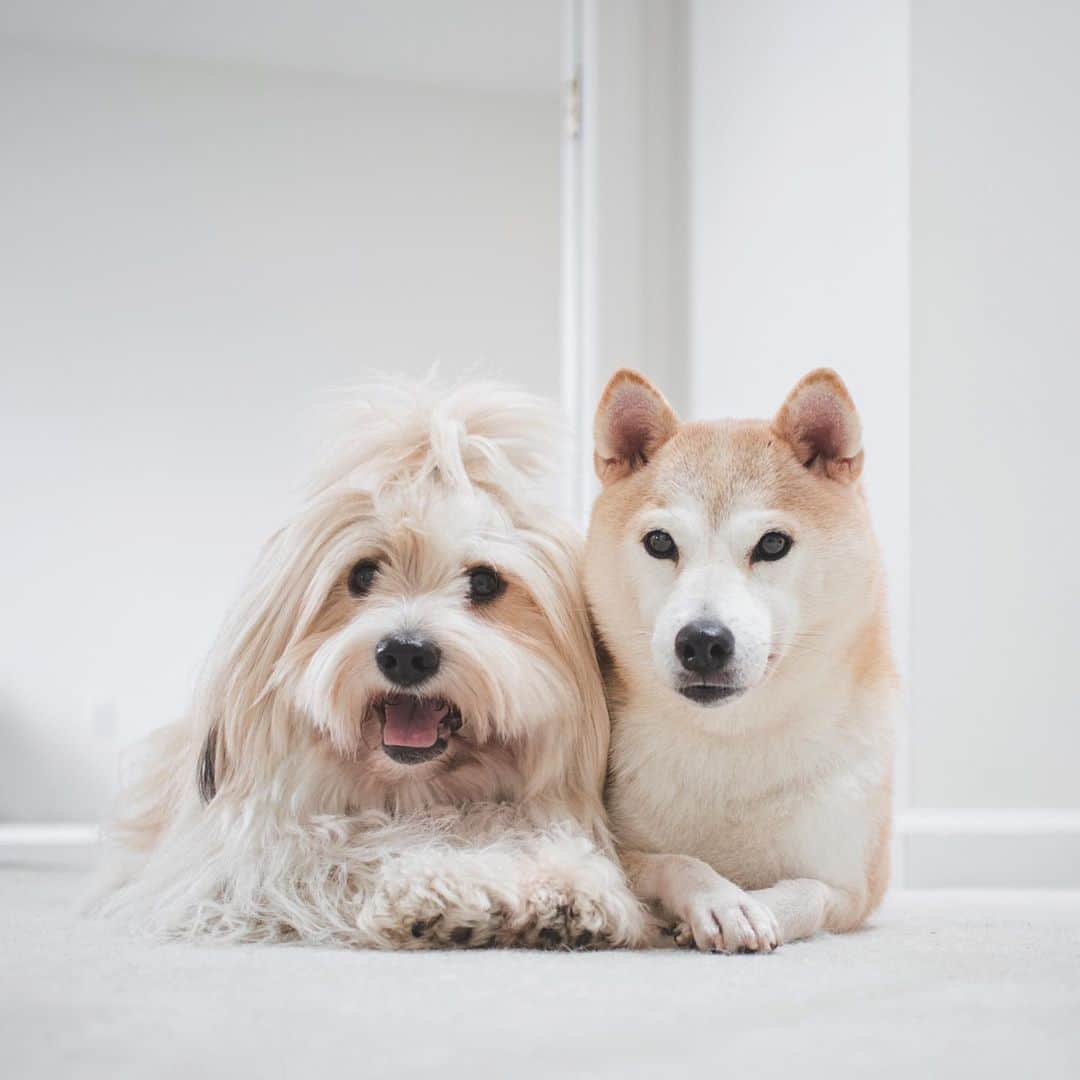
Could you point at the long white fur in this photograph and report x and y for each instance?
(313, 833)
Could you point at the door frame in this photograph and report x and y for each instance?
(625, 198)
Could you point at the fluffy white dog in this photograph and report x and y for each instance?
(400, 739)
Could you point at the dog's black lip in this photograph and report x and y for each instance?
(415, 755)
(704, 694)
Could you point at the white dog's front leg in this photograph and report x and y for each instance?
(717, 914)
(803, 906)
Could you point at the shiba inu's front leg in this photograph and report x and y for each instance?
(855, 863)
(715, 913)
(803, 906)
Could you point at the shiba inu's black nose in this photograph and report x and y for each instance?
(407, 661)
(704, 647)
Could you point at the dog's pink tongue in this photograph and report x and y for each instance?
(411, 722)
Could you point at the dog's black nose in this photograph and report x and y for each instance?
(407, 661)
(704, 647)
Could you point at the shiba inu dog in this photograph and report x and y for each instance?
(739, 603)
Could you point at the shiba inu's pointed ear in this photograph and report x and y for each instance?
(820, 422)
(633, 420)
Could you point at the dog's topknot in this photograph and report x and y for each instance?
(397, 434)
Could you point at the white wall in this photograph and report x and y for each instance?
(995, 378)
(192, 254)
(483, 44)
(798, 150)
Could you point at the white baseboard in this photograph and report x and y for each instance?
(48, 844)
(1015, 822)
(1010, 848)
(1018, 848)
(48, 834)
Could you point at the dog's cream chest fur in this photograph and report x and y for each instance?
(758, 806)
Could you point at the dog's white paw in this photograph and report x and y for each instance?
(553, 918)
(728, 921)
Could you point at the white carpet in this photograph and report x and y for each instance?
(942, 984)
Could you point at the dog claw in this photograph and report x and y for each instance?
(550, 937)
(730, 924)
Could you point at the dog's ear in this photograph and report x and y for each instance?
(633, 420)
(820, 423)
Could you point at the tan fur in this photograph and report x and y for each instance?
(765, 817)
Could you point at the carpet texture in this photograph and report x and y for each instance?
(941, 984)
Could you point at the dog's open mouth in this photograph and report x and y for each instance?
(416, 729)
(708, 694)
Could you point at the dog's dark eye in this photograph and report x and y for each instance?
(660, 545)
(484, 584)
(772, 546)
(361, 576)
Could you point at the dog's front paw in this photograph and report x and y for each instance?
(615, 920)
(553, 917)
(728, 921)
